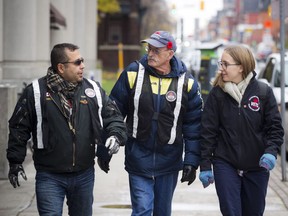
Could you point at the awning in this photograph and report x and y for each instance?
(56, 16)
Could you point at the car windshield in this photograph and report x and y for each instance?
(278, 75)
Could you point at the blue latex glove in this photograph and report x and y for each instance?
(267, 161)
(206, 177)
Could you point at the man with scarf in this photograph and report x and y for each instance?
(71, 121)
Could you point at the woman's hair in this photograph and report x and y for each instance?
(242, 55)
(58, 54)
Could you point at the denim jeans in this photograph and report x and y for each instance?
(51, 189)
(152, 195)
(240, 195)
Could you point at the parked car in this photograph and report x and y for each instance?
(271, 74)
(263, 51)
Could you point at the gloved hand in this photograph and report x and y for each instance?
(103, 164)
(15, 171)
(103, 157)
(206, 177)
(267, 161)
(112, 143)
(188, 174)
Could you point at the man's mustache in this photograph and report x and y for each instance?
(151, 59)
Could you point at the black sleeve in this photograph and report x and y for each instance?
(113, 122)
(209, 129)
(273, 129)
(20, 127)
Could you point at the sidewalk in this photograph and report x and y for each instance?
(111, 194)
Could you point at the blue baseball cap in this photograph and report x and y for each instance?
(161, 39)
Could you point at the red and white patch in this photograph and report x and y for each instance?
(171, 96)
(90, 92)
(254, 103)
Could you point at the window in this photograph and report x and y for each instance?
(277, 82)
(115, 35)
(268, 72)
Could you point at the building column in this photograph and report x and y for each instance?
(1, 39)
(25, 40)
(81, 29)
(9, 95)
(90, 39)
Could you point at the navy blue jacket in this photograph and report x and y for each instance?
(240, 135)
(149, 158)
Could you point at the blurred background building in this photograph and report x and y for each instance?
(120, 30)
(109, 31)
(249, 22)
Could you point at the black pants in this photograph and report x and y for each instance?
(240, 194)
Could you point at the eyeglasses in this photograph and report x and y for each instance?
(224, 65)
(157, 51)
(77, 62)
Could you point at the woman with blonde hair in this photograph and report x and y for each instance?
(241, 135)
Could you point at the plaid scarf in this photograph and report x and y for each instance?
(64, 89)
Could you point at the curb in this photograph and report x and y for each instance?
(277, 184)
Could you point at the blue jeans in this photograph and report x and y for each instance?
(152, 195)
(240, 195)
(51, 189)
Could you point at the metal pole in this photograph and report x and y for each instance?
(182, 29)
(282, 66)
(120, 59)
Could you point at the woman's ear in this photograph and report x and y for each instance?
(241, 68)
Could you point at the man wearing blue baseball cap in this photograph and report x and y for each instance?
(161, 39)
(162, 105)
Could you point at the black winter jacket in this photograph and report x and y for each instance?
(64, 150)
(240, 135)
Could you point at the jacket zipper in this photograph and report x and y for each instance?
(71, 128)
(74, 132)
(158, 109)
(240, 122)
(73, 117)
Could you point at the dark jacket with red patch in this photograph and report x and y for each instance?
(240, 135)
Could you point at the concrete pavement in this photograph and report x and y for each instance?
(111, 194)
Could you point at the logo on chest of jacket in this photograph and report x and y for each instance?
(171, 96)
(83, 100)
(90, 92)
(254, 103)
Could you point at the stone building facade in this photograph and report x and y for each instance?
(29, 29)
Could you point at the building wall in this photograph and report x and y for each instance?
(1, 38)
(26, 38)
